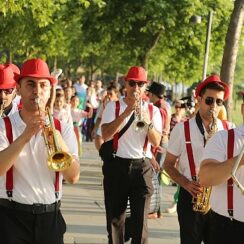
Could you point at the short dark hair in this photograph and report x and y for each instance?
(212, 86)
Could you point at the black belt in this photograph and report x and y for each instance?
(36, 208)
(131, 160)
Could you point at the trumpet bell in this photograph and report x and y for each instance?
(59, 161)
(140, 126)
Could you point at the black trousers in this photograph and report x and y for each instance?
(195, 227)
(19, 227)
(127, 179)
(227, 231)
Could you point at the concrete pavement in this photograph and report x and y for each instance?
(84, 213)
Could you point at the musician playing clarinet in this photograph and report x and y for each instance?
(227, 201)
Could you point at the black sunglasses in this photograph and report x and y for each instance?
(177, 106)
(210, 100)
(132, 83)
(7, 91)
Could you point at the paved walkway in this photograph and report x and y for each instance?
(84, 212)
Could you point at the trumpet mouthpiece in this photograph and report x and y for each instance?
(37, 100)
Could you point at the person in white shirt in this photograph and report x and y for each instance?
(128, 174)
(226, 199)
(184, 152)
(30, 192)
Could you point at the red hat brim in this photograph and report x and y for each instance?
(52, 80)
(213, 79)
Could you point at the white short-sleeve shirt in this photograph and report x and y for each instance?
(33, 180)
(216, 149)
(130, 145)
(177, 145)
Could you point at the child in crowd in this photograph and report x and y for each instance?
(77, 116)
(61, 110)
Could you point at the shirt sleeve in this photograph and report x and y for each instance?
(157, 119)
(69, 137)
(108, 113)
(216, 147)
(176, 140)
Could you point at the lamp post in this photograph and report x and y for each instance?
(207, 42)
(197, 20)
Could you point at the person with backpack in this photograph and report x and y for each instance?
(127, 170)
(30, 191)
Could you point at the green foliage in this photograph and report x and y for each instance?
(108, 36)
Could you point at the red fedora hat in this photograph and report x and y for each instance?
(36, 68)
(6, 77)
(213, 79)
(136, 73)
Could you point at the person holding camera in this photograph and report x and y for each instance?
(185, 149)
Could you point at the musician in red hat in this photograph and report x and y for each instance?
(134, 125)
(30, 189)
(186, 145)
(7, 89)
(222, 168)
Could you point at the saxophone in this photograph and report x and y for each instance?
(1, 109)
(201, 201)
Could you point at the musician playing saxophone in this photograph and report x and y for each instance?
(186, 143)
(7, 89)
(227, 201)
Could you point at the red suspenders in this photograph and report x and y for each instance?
(230, 151)
(189, 147)
(9, 174)
(116, 136)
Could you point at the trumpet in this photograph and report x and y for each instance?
(58, 160)
(201, 201)
(234, 170)
(139, 123)
(1, 109)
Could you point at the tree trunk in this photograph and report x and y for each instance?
(143, 58)
(231, 50)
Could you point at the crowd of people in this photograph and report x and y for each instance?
(45, 118)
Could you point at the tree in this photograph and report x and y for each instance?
(231, 49)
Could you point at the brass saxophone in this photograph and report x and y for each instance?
(201, 201)
(1, 109)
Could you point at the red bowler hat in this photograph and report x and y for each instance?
(213, 79)
(6, 77)
(136, 73)
(36, 68)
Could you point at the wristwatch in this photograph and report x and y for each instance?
(150, 126)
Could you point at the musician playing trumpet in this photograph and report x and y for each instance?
(223, 151)
(8, 74)
(30, 192)
(186, 143)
